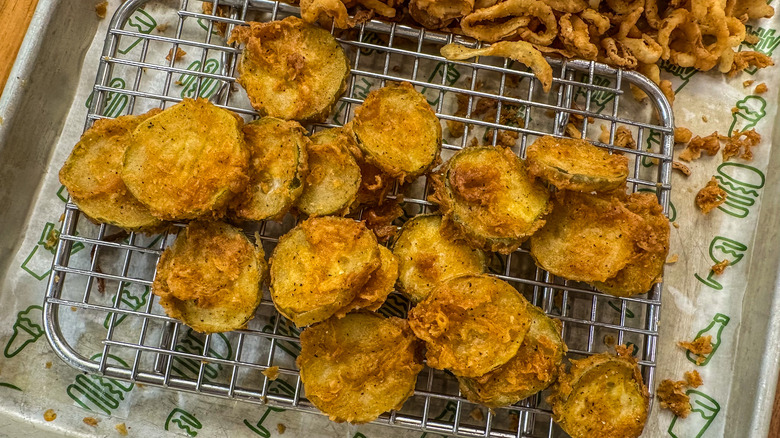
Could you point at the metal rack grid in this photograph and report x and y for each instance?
(121, 333)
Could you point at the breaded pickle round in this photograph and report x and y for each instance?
(379, 285)
(427, 258)
(210, 278)
(587, 237)
(91, 173)
(187, 161)
(532, 369)
(355, 368)
(277, 169)
(488, 199)
(291, 69)
(334, 176)
(397, 131)
(471, 325)
(652, 247)
(320, 266)
(575, 164)
(601, 396)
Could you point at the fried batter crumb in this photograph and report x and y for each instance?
(685, 170)
(514, 420)
(718, 268)
(271, 372)
(624, 350)
(682, 135)
(477, 414)
(705, 119)
(748, 83)
(380, 219)
(179, 54)
(281, 428)
(674, 258)
(673, 397)
(743, 60)
(48, 365)
(710, 196)
(121, 428)
(50, 415)
(504, 138)
(101, 9)
(676, 225)
(624, 138)
(734, 110)
(761, 88)
(162, 27)
(90, 421)
(741, 141)
(709, 144)
(701, 347)
(609, 340)
(693, 378)
(455, 128)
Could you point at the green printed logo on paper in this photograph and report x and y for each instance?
(37, 263)
(277, 387)
(722, 248)
(131, 300)
(285, 328)
(447, 415)
(27, 330)
(599, 99)
(683, 73)
(97, 393)
(433, 95)
(617, 308)
(704, 409)
(10, 386)
(767, 43)
(219, 348)
(191, 82)
(362, 88)
(653, 144)
(140, 22)
(115, 102)
(183, 420)
(370, 38)
(714, 330)
(741, 183)
(62, 194)
(358, 435)
(395, 305)
(751, 109)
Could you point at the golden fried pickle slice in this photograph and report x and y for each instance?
(471, 324)
(277, 169)
(334, 176)
(575, 164)
(320, 266)
(488, 199)
(188, 161)
(601, 396)
(357, 367)
(587, 237)
(91, 173)
(652, 247)
(397, 131)
(210, 278)
(291, 69)
(427, 258)
(532, 369)
(379, 285)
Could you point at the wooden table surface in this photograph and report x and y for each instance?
(16, 15)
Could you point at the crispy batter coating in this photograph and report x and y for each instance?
(398, 132)
(601, 396)
(709, 144)
(211, 277)
(721, 266)
(188, 161)
(334, 176)
(91, 173)
(291, 69)
(743, 141)
(427, 258)
(532, 369)
(471, 324)
(319, 267)
(277, 169)
(672, 396)
(488, 199)
(710, 196)
(435, 14)
(508, 19)
(652, 247)
(575, 164)
(520, 51)
(693, 379)
(587, 237)
(701, 347)
(379, 285)
(357, 367)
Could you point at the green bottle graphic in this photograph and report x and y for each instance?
(278, 387)
(714, 329)
(704, 409)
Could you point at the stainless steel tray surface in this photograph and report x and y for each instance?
(101, 317)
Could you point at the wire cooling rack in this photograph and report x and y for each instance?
(99, 312)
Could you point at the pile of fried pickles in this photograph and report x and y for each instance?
(197, 164)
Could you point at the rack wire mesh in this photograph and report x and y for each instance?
(99, 313)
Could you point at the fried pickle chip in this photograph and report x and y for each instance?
(357, 367)
(398, 132)
(91, 173)
(575, 164)
(587, 237)
(532, 369)
(211, 277)
(488, 199)
(291, 69)
(334, 176)
(188, 161)
(652, 247)
(471, 324)
(427, 258)
(601, 396)
(277, 169)
(379, 285)
(320, 266)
